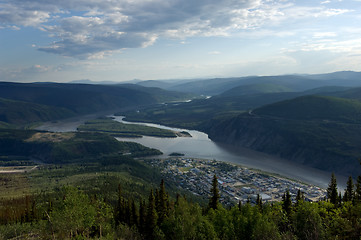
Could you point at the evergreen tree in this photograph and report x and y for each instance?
(162, 203)
(240, 205)
(215, 196)
(349, 192)
(259, 202)
(120, 207)
(358, 189)
(142, 216)
(339, 199)
(128, 213)
(151, 220)
(134, 214)
(332, 190)
(300, 196)
(287, 202)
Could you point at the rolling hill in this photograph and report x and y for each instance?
(255, 89)
(31, 102)
(314, 108)
(294, 83)
(318, 131)
(18, 112)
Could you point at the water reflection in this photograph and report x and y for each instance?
(200, 146)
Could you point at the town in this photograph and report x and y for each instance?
(236, 183)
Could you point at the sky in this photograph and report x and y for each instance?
(122, 40)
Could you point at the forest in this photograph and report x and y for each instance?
(71, 213)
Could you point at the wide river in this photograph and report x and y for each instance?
(200, 146)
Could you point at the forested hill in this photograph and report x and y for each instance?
(321, 132)
(314, 108)
(294, 83)
(30, 102)
(19, 112)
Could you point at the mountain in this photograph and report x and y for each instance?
(293, 83)
(320, 108)
(63, 100)
(197, 113)
(18, 112)
(88, 81)
(255, 89)
(353, 93)
(159, 94)
(155, 83)
(321, 132)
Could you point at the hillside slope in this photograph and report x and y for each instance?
(18, 112)
(22, 103)
(255, 89)
(291, 82)
(321, 132)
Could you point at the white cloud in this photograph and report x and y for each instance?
(95, 28)
(23, 73)
(324, 34)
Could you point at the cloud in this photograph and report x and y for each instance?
(23, 73)
(94, 28)
(11, 15)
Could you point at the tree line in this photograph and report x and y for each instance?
(73, 214)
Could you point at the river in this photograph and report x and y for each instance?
(200, 146)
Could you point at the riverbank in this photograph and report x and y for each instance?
(200, 146)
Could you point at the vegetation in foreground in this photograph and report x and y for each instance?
(92, 188)
(70, 213)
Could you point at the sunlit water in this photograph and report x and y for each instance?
(200, 146)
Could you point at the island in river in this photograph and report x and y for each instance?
(200, 146)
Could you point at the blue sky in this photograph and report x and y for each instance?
(120, 40)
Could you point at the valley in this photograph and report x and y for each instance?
(266, 139)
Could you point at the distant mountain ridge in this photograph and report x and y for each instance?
(293, 82)
(49, 99)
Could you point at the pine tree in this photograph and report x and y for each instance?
(151, 220)
(332, 190)
(162, 203)
(142, 216)
(128, 212)
(259, 202)
(300, 196)
(358, 189)
(119, 208)
(349, 192)
(134, 214)
(213, 201)
(287, 202)
(339, 199)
